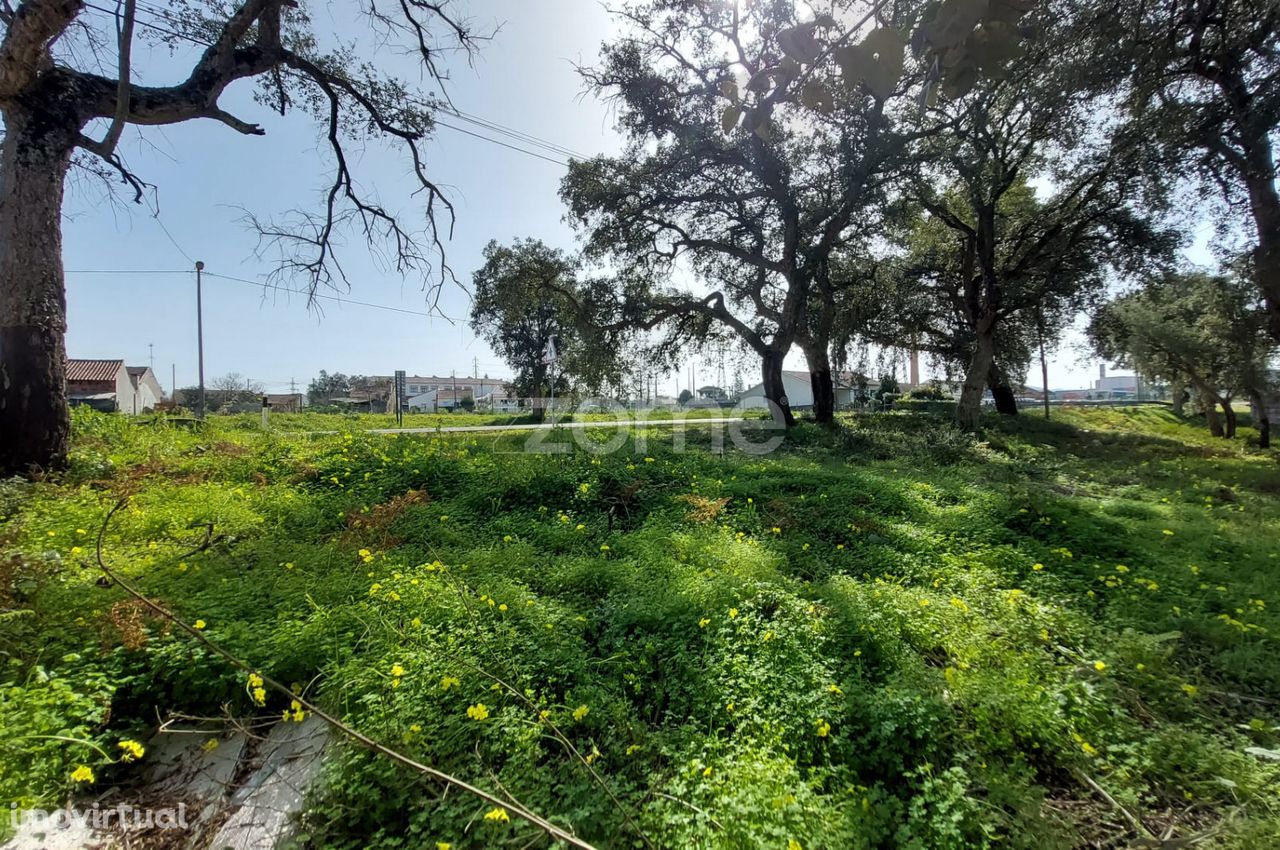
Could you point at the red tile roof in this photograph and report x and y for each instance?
(93, 370)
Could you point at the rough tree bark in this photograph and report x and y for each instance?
(1261, 420)
(1207, 400)
(36, 153)
(820, 380)
(774, 388)
(1179, 390)
(1229, 418)
(1001, 392)
(1258, 171)
(969, 406)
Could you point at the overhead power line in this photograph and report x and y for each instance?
(517, 137)
(265, 287)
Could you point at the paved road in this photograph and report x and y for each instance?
(546, 426)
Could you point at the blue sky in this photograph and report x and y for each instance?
(207, 176)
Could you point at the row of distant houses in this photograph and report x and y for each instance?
(432, 393)
(114, 387)
(111, 385)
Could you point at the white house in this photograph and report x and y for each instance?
(501, 401)
(147, 392)
(799, 391)
(111, 386)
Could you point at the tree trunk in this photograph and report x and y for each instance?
(774, 388)
(34, 420)
(1259, 177)
(1229, 415)
(1044, 373)
(1001, 392)
(1208, 402)
(1261, 420)
(824, 395)
(1179, 397)
(969, 406)
(538, 411)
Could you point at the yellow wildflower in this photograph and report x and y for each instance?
(497, 815)
(397, 670)
(199, 624)
(132, 750)
(580, 712)
(1099, 666)
(478, 712)
(83, 774)
(823, 728)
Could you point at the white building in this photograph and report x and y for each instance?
(501, 401)
(799, 391)
(431, 392)
(111, 386)
(147, 392)
(1114, 385)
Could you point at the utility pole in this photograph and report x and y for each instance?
(173, 382)
(151, 355)
(475, 368)
(200, 336)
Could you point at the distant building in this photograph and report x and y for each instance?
(147, 392)
(430, 392)
(502, 401)
(1114, 386)
(439, 399)
(285, 402)
(799, 390)
(110, 386)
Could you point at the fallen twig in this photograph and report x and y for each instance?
(357, 736)
(1148, 839)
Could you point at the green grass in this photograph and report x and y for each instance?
(887, 635)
